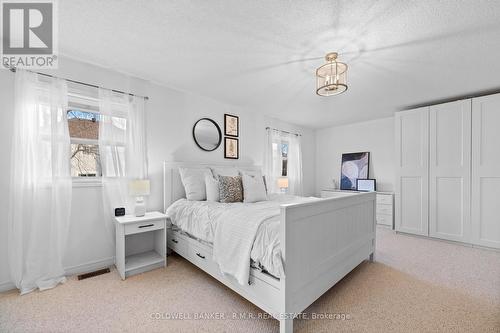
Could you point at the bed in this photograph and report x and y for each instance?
(320, 241)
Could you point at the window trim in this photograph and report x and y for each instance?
(87, 181)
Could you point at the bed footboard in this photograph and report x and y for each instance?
(321, 242)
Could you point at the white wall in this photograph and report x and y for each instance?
(170, 117)
(376, 137)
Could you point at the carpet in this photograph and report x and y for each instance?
(415, 285)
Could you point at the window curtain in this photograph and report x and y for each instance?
(273, 161)
(122, 149)
(294, 164)
(41, 186)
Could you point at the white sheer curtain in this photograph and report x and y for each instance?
(273, 162)
(122, 149)
(41, 188)
(294, 164)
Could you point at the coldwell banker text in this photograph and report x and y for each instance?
(29, 34)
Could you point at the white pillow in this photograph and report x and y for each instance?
(254, 173)
(212, 185)
(193, 180)
(253, 188)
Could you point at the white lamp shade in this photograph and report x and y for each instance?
(139, 187)
(283, 182)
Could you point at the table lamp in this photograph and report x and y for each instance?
(139, 188)
(283, 184)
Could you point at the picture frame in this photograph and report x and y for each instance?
(231, 148)
(366, 185)
(231, 125)
(354, 166)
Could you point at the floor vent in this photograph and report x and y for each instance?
(92, 274)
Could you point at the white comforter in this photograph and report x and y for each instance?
(238, 231)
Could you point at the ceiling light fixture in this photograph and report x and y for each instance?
(331, 78)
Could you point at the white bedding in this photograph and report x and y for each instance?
(238, 231)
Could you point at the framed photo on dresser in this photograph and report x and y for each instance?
(231, 125)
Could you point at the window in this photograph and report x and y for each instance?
(284, 158)
(84, 136)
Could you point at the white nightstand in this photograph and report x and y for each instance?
(130, 261)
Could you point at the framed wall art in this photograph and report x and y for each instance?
(231, 125)
(354, 166)
(231, 148)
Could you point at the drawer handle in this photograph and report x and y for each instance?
(146, 226)
(199, 255)
(175, 241)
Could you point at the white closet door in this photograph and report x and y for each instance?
(412, 171)
(486, 171)
(450, 170)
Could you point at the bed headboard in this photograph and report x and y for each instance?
(172, 185)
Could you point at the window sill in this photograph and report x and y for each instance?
(87, 182)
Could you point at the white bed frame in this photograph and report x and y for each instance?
(321, 242)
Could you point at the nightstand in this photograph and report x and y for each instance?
(147, 255)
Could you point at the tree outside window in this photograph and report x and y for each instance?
(84, 136)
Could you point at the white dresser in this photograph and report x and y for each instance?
(385, 204)
(385, 209)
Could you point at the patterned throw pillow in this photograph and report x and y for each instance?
(230, 189)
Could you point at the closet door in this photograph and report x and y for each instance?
(486, 171)
(412, 174)
(450, 170)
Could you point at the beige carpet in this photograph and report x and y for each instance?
(416, 285)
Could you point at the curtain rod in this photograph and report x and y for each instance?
(13, 70)
(276, 129)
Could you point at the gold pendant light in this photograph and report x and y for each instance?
(331, 78)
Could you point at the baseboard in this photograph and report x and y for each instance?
(71, 270)
(90, 266)
(6, 286)
(475, 246)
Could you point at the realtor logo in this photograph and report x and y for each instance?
(29, 34)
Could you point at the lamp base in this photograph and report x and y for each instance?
(140, 208)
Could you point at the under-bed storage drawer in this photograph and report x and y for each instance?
(177, 242)
(202, 257)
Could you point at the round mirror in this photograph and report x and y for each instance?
(207, 134)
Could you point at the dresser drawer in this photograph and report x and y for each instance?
(177, 242)
(384, 219)
(384, 209)
(134, 228)
(385, 199)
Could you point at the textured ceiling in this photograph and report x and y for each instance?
(262, 54)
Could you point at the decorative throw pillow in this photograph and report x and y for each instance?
(254, 188)
(212, 185)
(193, 180)
(230, 189)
